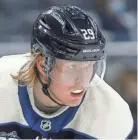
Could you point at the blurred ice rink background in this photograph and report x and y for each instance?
(117, 20)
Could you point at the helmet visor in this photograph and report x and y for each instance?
(78, 73)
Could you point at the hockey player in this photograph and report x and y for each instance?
(57, 91)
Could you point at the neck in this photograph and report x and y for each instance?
(43, 102)
(44, 108)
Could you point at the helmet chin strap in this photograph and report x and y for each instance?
(45, 87)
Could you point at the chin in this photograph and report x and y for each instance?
(74, 103)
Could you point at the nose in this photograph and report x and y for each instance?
(78, 80)
(78, 84)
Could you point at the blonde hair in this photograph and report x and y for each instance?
(27, 75)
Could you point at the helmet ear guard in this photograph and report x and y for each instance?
(95, 67)
(35, 47)
(48, 64)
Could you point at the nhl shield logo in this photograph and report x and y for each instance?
(45, 125)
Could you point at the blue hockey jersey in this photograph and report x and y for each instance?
(103, 114)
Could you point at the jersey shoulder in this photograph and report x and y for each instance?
(103, 114)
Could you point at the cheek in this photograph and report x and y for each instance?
(58, 89)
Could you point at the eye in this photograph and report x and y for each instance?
(89, 65)
(72, 66)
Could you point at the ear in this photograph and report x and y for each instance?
(39, 64)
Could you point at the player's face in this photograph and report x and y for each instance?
(69, 81)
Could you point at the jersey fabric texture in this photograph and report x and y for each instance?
(102, 114)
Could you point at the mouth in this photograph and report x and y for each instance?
(77, 93)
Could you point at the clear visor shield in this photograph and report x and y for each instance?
(81, 74)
